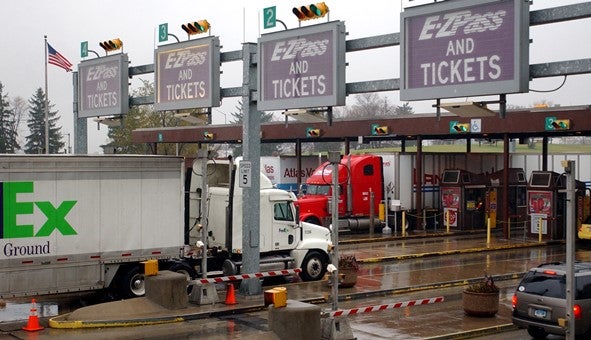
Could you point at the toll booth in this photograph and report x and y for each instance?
(546, 200)
(516, 199)
(462, 198)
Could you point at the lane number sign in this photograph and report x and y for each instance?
(269, 17)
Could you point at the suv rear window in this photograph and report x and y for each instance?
(552, 285)
(583, 287)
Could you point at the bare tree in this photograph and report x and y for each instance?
(19, 110)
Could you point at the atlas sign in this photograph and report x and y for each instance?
(187, 75)
(464, 48)
(103, 86)
(303, 67)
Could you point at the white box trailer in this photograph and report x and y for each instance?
(283, 172)
(74, 223)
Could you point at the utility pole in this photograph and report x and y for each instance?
(569, 170)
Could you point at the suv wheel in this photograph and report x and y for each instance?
(537, 333)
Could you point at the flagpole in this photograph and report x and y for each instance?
(46, 104)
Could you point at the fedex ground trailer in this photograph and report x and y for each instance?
(73, 223)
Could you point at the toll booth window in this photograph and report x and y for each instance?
(368, 170)
(516, 198)
(540, 180)
(466, 178)
(474, 199)
(451, 176)
(283, 211)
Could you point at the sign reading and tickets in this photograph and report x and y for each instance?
(187, 75)
(103, 86)
(464, 48)
(302, 67)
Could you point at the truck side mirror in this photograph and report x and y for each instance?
(297, 214)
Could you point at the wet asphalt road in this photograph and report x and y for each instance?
(410, 323)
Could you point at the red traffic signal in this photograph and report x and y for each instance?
(312, 133)
(378, 130)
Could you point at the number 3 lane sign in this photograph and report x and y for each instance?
(245, 173)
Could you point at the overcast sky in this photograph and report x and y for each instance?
(24, 23)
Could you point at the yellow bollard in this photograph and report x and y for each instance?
(540, 230)
(488, 232)
(509, 228)
(403, 223)
(447, 221)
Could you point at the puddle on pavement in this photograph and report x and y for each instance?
(21, 311)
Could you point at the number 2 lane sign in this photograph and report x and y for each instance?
(269, 17)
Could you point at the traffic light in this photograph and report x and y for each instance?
(207, 135)
(111, 45)
(457, 127)
(376, 130)
(196, 27)
(557, 124)
(312, 133)
(313, 11)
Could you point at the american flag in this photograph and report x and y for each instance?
(55, 58)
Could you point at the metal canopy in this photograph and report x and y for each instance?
(517, 124)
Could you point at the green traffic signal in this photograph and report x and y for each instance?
(312, 11)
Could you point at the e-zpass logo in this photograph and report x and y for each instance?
(11, 208)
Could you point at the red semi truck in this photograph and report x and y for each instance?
(359, 176)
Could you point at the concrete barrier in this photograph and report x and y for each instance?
(297, 320)
(168, 289)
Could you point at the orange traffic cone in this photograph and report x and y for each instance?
(230, 297)
(33, 323)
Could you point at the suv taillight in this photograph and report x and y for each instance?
(577, 312)
(514, 301)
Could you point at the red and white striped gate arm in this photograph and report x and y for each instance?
(247, 276)
(368, 309)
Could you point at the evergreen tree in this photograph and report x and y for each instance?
(35, 141)
(8, 126)
(404, 109)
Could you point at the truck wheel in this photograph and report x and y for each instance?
(185, 269)
(313, 266)
(132, 283)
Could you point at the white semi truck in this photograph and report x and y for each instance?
(285, 242)
(76, 223)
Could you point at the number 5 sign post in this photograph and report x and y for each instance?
(245, 173)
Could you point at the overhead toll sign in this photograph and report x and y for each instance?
(302, 68)
(187, 75)
(103, 86)
(464, 48)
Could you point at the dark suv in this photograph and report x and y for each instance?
(540, 300)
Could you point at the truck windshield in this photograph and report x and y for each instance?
(314, 189)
